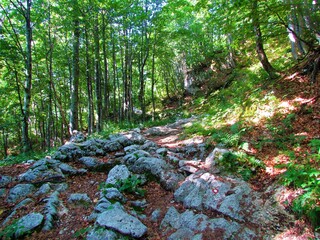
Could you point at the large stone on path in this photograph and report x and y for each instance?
(118, 174)
(94, 164)
(27, 224)
(20, 191)
(5, 180)
(118, 220)
(231, 197)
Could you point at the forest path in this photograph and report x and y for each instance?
(186, 194)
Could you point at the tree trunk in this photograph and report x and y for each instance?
(114, 68)
(49, 66)
(5, 143)
(75, 72)
(106, 93)
(26, 145)
(89, 86)
(259, 42)
(97, 75)
(153, 79)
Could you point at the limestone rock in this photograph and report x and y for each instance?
(51, 210)
(20, 191)
(27, 224)
(79, 199)
(94, 164)
(68, 152)
(77, 137)
(101, 234)
(215, 155)
(120, 221)
(118, 173)
(5, 180)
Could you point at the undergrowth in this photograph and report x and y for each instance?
(302, 173)
(229, 114)
(240, 163)
(11, 160)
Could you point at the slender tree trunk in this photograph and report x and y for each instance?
(106, 92)
(114, 68)
(153, 79)
(130, 107)
(89, 86)
(97, 75)
(144, 53)
(259, 42)
(50, 73)
(27, 86)
(74, 108)
(5, 143)
(231, 57)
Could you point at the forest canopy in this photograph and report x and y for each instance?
(78, 65)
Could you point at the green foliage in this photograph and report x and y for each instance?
(241, 163)
(130, 185)
(10, 160)
(308, 178)
(9, 231)
(315, 146)
(301, 173)
(81, 233)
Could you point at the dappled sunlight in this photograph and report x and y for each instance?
(271, 168)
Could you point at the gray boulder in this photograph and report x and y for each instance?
(28, 224)
(92, 147)
(188, 225)
(134, 137)
(94, 164)
(215, 155)
(118, 220)
(155, 166)
(44, 189)
(79, 199)
(5, 180)
(130, 158)
(20, 191)
(77, 137)
(113, 194)
(131, 148)
(67, 169)
(68, 152)
(170, 180)
(112, 146)
(51, 210)
(118, 173)
(99, 233)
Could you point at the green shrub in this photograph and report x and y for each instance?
(302, 172)
(9, 231)
(308, 178)
(241, 163)
(130, 185)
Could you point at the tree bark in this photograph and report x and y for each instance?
(153, 79)
(89, 85)
(114, 68)
(28, 82)
(106, 93)
(97, 74)
(259, 42)
(74, 108)
(49, 129)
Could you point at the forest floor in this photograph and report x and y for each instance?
(297, 95)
